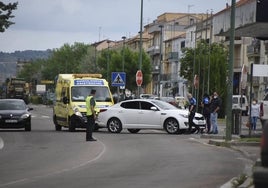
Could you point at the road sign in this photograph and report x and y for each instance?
(118, 79)
(139, 78)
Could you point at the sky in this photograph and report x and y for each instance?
(49, 24)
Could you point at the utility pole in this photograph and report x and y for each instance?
(228, 136)
(140, 55)
(160, 61)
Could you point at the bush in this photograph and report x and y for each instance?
(35, 99)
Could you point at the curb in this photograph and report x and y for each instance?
(233, 144)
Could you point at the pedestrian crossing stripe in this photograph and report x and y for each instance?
(118, 80)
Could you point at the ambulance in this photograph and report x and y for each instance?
(69, 109)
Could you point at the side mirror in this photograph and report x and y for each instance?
(65, 100)
(153, 108)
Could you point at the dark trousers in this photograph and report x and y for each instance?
(207, 117)
(190, 119)
(90, 127)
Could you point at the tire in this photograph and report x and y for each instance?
(57, 126)
(72, 125)
(171, 126)
(114, 125)
(28, 126)
(133, 130)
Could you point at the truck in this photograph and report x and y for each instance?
(69, 109)
(17, 88)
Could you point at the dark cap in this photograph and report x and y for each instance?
(93, 91)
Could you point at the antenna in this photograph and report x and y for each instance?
(189, 7)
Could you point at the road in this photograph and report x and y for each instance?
(46, 158)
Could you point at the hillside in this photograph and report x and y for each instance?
(8, 61)
(26, 55)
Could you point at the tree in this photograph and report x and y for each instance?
(6, 14)
(209, 64)
(111, 61)
(66, 60)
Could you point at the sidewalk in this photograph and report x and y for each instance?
(251, 151)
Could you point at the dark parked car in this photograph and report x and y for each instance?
(14, 113)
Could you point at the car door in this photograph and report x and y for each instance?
(149, 118)
(129, 114)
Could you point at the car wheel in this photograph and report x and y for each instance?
(133, 130)
(57, 126)
(28, 127)
(172, 126)
(114, 125)
(72, 124)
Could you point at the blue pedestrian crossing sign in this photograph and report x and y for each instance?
(118, 79)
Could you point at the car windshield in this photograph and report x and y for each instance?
(164, 105)
(79, 93)
(12, 105)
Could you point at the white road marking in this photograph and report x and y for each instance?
(1, 143)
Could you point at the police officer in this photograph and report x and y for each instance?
(192, 109)
(91, 115)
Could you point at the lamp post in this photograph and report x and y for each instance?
(160, 61)
(140, 55)
(123, 59)
(228, 136)
(108, 60)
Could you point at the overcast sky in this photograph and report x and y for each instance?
(49, 24)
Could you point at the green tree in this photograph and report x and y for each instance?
(31, 71)
(6, 14)
(66, 60)
(131, 65)
(209, 63)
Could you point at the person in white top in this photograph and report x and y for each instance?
(255, 114)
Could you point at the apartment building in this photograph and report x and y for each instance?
(164, 38)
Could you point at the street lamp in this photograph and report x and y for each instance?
(160, 61)
(108, 59)
(123, 59)
(140, 55)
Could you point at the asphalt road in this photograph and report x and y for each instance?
(46, 158)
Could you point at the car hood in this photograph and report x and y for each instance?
(184, 112)
(18, 112)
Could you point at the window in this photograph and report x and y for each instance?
(131, 105)
(146, 105)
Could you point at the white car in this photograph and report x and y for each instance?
(138, 114)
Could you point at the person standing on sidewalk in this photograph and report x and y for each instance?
(206, 111)
(255, 114)
(91, 115)
(192, 109)
(214, 109)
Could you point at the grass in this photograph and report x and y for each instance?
(252, 139)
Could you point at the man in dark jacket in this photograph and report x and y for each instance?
(192, 109)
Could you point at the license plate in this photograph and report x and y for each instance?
(11, 121)
(200, 122)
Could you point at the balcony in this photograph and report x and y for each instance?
(253, 50)
(173, 56)
(153, 50)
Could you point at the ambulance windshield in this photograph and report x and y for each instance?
(79, 93)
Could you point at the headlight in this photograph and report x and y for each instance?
(77, 112)
(25, 116)
(184, 115)
(0, 117)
